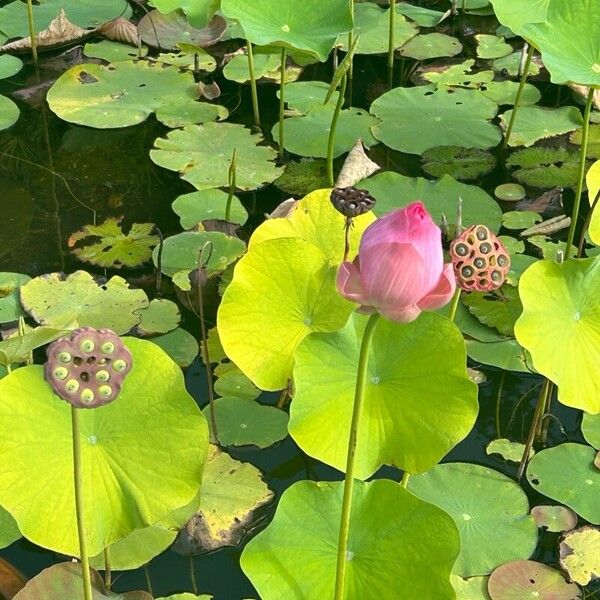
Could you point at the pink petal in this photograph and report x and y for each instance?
(442, 293)
(402, 315)
(349, 283)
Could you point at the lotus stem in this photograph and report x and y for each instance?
(281, 100)
(148, 580)
(79, 504)
(498, 398)
(253, 88)
(359, 395)
(518, 97)
(581, 178)
(232, 184)
(32, 35)
(586, 225)
(454, 304)
(107, 569)
(391, 48)
(405, 478)
(350, 73)
(334, 120)
(193, 575)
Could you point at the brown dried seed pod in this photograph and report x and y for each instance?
(351, 201)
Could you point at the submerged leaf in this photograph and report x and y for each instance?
(460, 163)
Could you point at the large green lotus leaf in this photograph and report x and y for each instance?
(566, 473)
(507, 355)
(181, 253)
(316, 221)
(393, 190)
(10, 304)
(64, 580)
(418, 118)
(473, 588)
(78, 301)
(85, 13)
(107, 245)
(398, 545)
(372, 24)
(180, 345)
(431, 45)
(161, 316)
(590, 427)
(310, 25)
(202, 155)
(18, 348)
(416, 408)
(9, 530)
(9, 113)
(281, 291)
(9, 65)
(199, 12)
(308, 135)
(127, 93)
(517, 14)
(195, 207)
(561, 316)
(490, 510)
(424, 17)
(124, 447)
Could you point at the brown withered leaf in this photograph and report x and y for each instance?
(120, 30)
(356, 167)
(549, 204)
(11, 581)
(210, 91)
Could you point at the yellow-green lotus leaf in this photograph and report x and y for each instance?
(281, 291)
(316, 221)
(560, 326)
(593, 184)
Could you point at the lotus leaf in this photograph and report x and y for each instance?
(534, 123)
(424, 17)
(281, 291)
(460, 163)
(511, 451)
(554, 518)
(186, 596)
(580, 555)
(372, 24)
(566, 473)
(506, 355)
(593, 184)
(561, 314)
(416, 119)
(513, 245)
(204, 205)
(266, 66)
(520, 219)
(456, 75)
(180, 345)
(311, 25)
(243, 422)
(431, 45)
(550, 248)
(198, 12)
(161, 316)
(316, 221)
(516, 15)
(545, 167)
(9, 65)
(124, 445)
(490, 510)
(504, 92)
(79, 301)
(9, 531)
(393, 190)
(416, 409)
(303, 176)
(236, 385)
(112, 52)
(590, 426)
(84, 13)
(191, 151)
(492, 46)
(215, 349)
(593, 150)
(511, 65)
(189, 60)
(387, 525)
(10, 304)
(9, 112)
(18, 348)
(303, 96)
(473, 588)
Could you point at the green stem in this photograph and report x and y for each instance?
(581, 179)
(361, 380)
(518, 96)
(281, 100)
(391, 48)
(405, 478)
(107, 569)
(350, 73)
(498, 398)
(454, 304)
(79, 508)
(193, 575)
(32, 35)
(232, 184)
(148, 580)
(334, 120)
(253, 88)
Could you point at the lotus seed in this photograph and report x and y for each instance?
(72, 386)
(108, 347)
(65, 357)
(482, 234)
(87, 345)
(61, 373)
(467, 271)
(119, 365)
(462, 249)
(105, 391)
(502, 260)
(87, 396)
(479, 262)
(485, 248)
(102, 376)
(496, 276)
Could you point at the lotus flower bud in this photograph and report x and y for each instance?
(352, 202)
(481, 261)
(399, 270)
(87, 368)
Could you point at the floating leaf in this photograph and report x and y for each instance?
(492, 46)
(580, 554)
(593, 150)
(266, 66)
(431, 45)
(545, 167)
(473, 588)
(520, 219)
(534, 123)
(566, 473)
(204, 205)
(505, 92)
(416, 119)
(490, 510)
(191, 151)
(121, 30)
(506, 355)
(198, 12)
(460, 163)
(393, 190)
(180, 345)
(511, 451)
(9, 65)
(128, 92)
(281, 291)
(511, 65)
(510, 192)
(9, 113)
(113, 51)
(372, 27)
(561, 314)
(554, 518)
(303, 176)
(424, 17)
(9, 530)
(526, 578)
(236, 385)
(107, 245)
(305, 530)
(303, 96)
(161, 316)
(10, 303)
(79, 301)
(311, 26)
(124, 445)
(407, 395)
(590, 427)
(444, 74)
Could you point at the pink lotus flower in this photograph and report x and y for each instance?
(399, 270)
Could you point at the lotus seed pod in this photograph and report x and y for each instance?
(481, 262)
(79, 367)
(352, 202)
